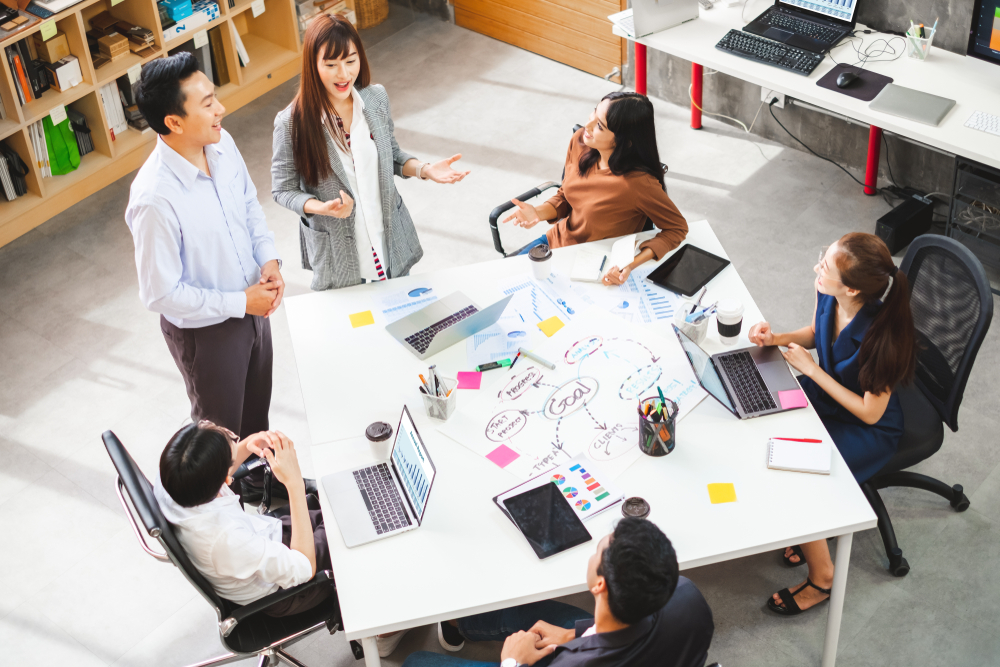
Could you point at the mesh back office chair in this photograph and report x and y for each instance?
(245, 631)
(952, 308)
(534, 192)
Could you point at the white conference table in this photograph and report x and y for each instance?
(972, 83)
(467, 557)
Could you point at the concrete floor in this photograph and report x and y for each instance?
(81, 355)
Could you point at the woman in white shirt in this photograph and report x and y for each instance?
(334, 160)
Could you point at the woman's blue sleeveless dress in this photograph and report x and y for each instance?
(866, 448)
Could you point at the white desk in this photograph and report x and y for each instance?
(467, 557)
(972, 83)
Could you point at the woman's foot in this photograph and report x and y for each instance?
(806, 595)
(388, 642)
(793, 556)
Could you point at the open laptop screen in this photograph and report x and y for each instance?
(842, 10)
(705, 371)
(413, 463)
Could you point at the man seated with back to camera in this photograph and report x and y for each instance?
(243, 556)
(644, 614)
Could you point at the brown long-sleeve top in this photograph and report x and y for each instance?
(601, 205)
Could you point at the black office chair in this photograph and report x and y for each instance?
(534, 192)
(245, 631)
(952, 308)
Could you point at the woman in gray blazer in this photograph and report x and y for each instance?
(334, 160)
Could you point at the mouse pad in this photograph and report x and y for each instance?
(865, 88)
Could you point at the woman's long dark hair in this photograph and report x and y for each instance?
(630, 118)
(331, 37)
(888, 354)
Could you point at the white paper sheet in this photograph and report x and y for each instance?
(398, 305)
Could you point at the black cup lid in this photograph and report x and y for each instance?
(539, 253)
(635, 506)
(378, 431)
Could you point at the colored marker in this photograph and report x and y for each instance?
(536, 358)
(663, 398)
(503, 363)
(516, 357)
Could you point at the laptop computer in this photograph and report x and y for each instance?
(913, 104)
(649, 16)
(443, 323)
(390, 497)
(813, 25)
(746, 382)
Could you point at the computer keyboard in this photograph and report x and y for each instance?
(752, 47)
(423, 338)
(801, 27)
(747, 382)
(985, 122)
(384, 505)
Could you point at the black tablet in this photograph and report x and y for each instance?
(546, 520)
(688, 270)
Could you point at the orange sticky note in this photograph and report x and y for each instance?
(721, 493)
(362, 319)
(550, 326)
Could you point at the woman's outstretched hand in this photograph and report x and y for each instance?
(442, 172)
(525, 216)
(340, 207)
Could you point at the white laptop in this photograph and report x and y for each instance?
(387, 498)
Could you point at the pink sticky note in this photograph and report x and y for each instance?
(793, 398)
(469, 379)
(502, 456)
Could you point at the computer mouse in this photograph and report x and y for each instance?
(847, 79)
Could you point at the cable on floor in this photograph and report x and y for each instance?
(739, 122)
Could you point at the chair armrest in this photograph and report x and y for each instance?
(241, 614)
(507, 205)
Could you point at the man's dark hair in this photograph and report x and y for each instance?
(159, 91)
(639, 567)
(194, 464)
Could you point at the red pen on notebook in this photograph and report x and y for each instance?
(798, 439)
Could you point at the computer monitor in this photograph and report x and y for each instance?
(984, 35)
(842, 10)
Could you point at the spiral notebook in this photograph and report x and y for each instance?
(799, 455)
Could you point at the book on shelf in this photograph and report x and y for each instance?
(240, 49)
(112, 101)
(16, 171)
(81, 129)
(219, 65)
(202, 54)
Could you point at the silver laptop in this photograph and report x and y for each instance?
(649, 16)
(746, 382)
(913, 104)
(443, 323)
(387, 498)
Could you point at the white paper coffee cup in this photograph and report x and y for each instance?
(541, 261)
(729, 316)
(379, 436)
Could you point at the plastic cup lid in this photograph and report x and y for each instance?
(540, 253)
(729, 308)
(378, 431)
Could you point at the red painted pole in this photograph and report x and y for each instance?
(640, 68)
(871, 169)
(696, 79)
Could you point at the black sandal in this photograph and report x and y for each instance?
(791, 607)
(796, 551)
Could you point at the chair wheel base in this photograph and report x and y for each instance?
(898, 566)
(959, 501)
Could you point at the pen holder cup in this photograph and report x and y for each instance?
(657, 438)
(696, 332)
(918, 47)
(442, 407)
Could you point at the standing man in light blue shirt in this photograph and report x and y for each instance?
(206, 260)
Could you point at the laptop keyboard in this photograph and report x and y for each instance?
(381, 498)
(805, 28)
(421, 340)
(747, 382)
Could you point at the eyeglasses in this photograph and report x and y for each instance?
(821, 266)
(204, 423)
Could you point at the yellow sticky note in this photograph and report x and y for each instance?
(48, 30)
(362, 319)
(721, 493)
(550, 326)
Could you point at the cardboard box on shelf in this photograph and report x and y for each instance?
(204, 12)
(64, 74)
(114, 46)
(53, 49)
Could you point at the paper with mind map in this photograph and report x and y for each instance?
(536, 419)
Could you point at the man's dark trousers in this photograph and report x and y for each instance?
(227, 371)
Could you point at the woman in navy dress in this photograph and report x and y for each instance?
(863, 334)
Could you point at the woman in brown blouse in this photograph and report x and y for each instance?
(613, 182)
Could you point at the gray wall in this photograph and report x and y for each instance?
(668, 78)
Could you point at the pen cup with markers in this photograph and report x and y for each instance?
(442, 407)
(916, 46)
(696, 331)
(657, 430)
